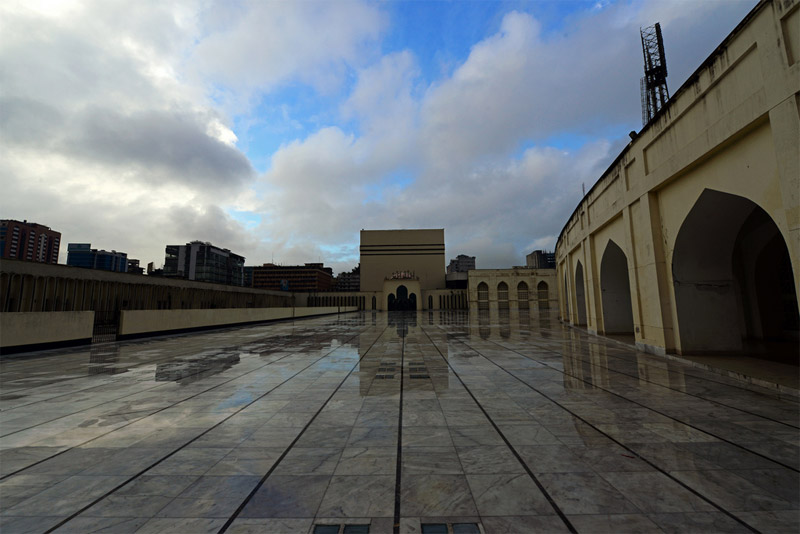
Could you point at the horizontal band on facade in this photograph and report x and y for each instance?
(402, 254)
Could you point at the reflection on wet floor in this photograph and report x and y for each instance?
(196, 367)
(408, 422)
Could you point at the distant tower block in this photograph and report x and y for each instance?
(654, 84)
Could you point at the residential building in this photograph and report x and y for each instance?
(461, 264)
(83, 255)
(203, 262)
(28, 241)
(134, 267)
(301, 278)
(540, 259)
(349, 281)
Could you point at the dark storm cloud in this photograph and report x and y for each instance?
(168, 143)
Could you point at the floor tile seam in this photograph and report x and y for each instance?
(519, 458)
(398, 488)
(663, 386)
(652, 464)
(140, 473)
(651, 409)
(168, 407)
(277, 462)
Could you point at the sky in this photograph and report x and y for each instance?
(280, 129)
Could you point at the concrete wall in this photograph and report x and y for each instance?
(139, 322)
(732, 129)
(42, 328)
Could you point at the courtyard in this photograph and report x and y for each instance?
(432, 421)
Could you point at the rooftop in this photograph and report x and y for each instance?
(362, 419)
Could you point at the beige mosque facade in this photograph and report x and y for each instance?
(690, 241)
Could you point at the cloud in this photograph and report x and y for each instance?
(126, 111)
(261, 45)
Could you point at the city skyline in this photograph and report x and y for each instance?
(279, 130)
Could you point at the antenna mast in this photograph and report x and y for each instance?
(654, 83)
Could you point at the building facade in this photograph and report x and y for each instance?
(303, 278)
(203, 262)
(83, 255)
(461, 264)
(517, 289)
(690, 241)
(21, 240)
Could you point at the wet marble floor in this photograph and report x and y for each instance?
(371, 422)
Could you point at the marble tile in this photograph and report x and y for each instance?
(358, 496)
(680, 523)
(287, 497)
(163, 525)
(426, 436)
(508, 495)
(367, 461)
(272, 526)
(654, 492)
(731, 492)
(435, 460)
(616, 523)
(105, 525)
(436, 495)
(489, 460)
(523, 524)
(309, 461)
(585, 493)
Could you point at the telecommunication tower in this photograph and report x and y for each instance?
(654, 83)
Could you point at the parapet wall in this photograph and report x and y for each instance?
(39, 330)
(28, 331)
(136, 323)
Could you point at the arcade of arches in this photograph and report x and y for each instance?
(690, 242)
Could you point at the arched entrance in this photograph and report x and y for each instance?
(403, 301)
(616, 291)
(580, 295)
(733, 280)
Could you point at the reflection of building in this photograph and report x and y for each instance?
(204, 262)
(539, 259)
(461, 264)
(28, 241)
(689, 241)
(308, 277)
(83, 255)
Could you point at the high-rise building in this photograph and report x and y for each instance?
(308, 277)
(83, 255)
(540, 259)
(205, 263)
(461, 264)
(28, 241)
